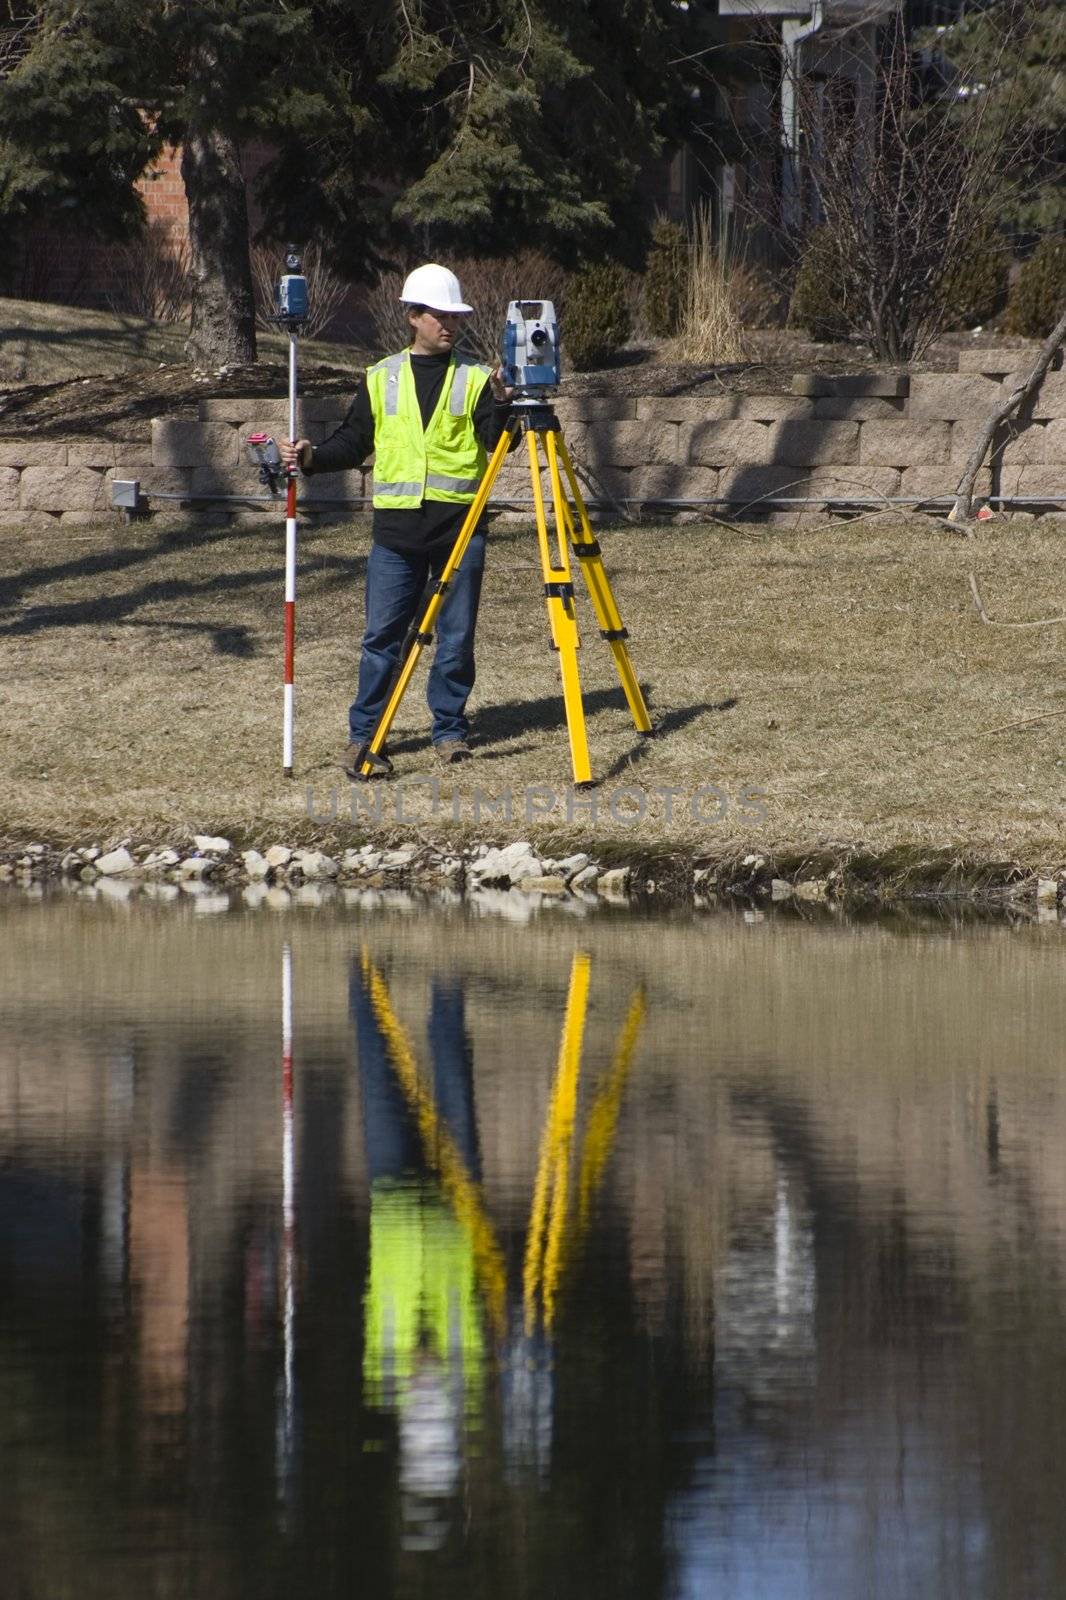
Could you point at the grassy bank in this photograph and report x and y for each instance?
(834, 685)
(45, 343)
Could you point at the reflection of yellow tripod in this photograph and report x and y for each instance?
(572, 532)
(555, 1235)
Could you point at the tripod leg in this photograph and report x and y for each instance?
(424, 632)
(587, 550)
(559, 594)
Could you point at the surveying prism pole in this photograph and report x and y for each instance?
(289, 691)
(291, 297)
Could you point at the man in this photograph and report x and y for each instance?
(431, 416)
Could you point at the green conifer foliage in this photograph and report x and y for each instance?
(597, 319)
(819, 301)
(1038, 298)
(1014, 53)
(975, 290)
(666, 276)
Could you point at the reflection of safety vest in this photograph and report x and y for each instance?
(422, 1293)
(444, 461)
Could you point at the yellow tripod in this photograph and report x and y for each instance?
(572, 533)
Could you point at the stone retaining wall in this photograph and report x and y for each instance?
(834, 439)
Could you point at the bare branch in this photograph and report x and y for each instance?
(963, 507)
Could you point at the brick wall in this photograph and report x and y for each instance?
(832, 439)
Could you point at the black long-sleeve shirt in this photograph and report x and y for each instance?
(434, 525)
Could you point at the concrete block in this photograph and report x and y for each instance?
(68, 489)
(688, 408)
(131, 457)
(608, 483)
(869, 408)
(331, 408)
(1049, 400)
(851, 386)
(944, 396)
(904, 444)
(939, 482)
(724, 408)
(1034, 482)
(631, 444)
(27, 521)
(677, 483)
(32, 453)
(230, 408)
(249, 409)
(194, 444)
(166, 480)
(848, 483)
(748, 486)
(91, 452)
(512, 483)
(806, 444)
(727, 444)
(1026, 448)
(775, 407)
(996, 363)
(602, 408)
(1054, 441)
(217, 479)
(352, 485)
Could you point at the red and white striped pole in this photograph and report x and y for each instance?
(287, 1420)
(288, 734)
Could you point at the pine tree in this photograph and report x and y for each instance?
(1015, 53)
(104, 84)
(424, 126)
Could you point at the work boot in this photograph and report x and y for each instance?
(357, 754)
(452, 750)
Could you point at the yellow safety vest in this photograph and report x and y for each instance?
(446, 460)
(422, 1291)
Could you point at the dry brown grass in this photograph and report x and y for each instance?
(842, 671)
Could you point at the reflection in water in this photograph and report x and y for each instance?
(435, 1260)
(686, 1260)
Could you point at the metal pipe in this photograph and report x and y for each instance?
(793, 35)
(607, 505)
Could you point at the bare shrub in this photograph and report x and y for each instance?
(711, 331)
(905, 184)
(47, 264)
(326, 289)
(489, 283)
(391, 328)
(149, 276)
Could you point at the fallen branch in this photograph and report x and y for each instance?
(978, 600)
(1022, 723)
(962, 510)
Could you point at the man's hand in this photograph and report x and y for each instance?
(296, 454)
(500, 392)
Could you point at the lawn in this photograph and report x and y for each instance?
(827, 689)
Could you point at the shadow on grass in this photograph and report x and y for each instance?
(663, 723)
(119, 558)
(111, 609)
(500, 723)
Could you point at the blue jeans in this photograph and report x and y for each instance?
(395, 585)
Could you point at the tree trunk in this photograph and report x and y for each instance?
(222, 330)
(962, 510)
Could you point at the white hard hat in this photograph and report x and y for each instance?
(434, 287)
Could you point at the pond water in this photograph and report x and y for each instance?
(379, 1252)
